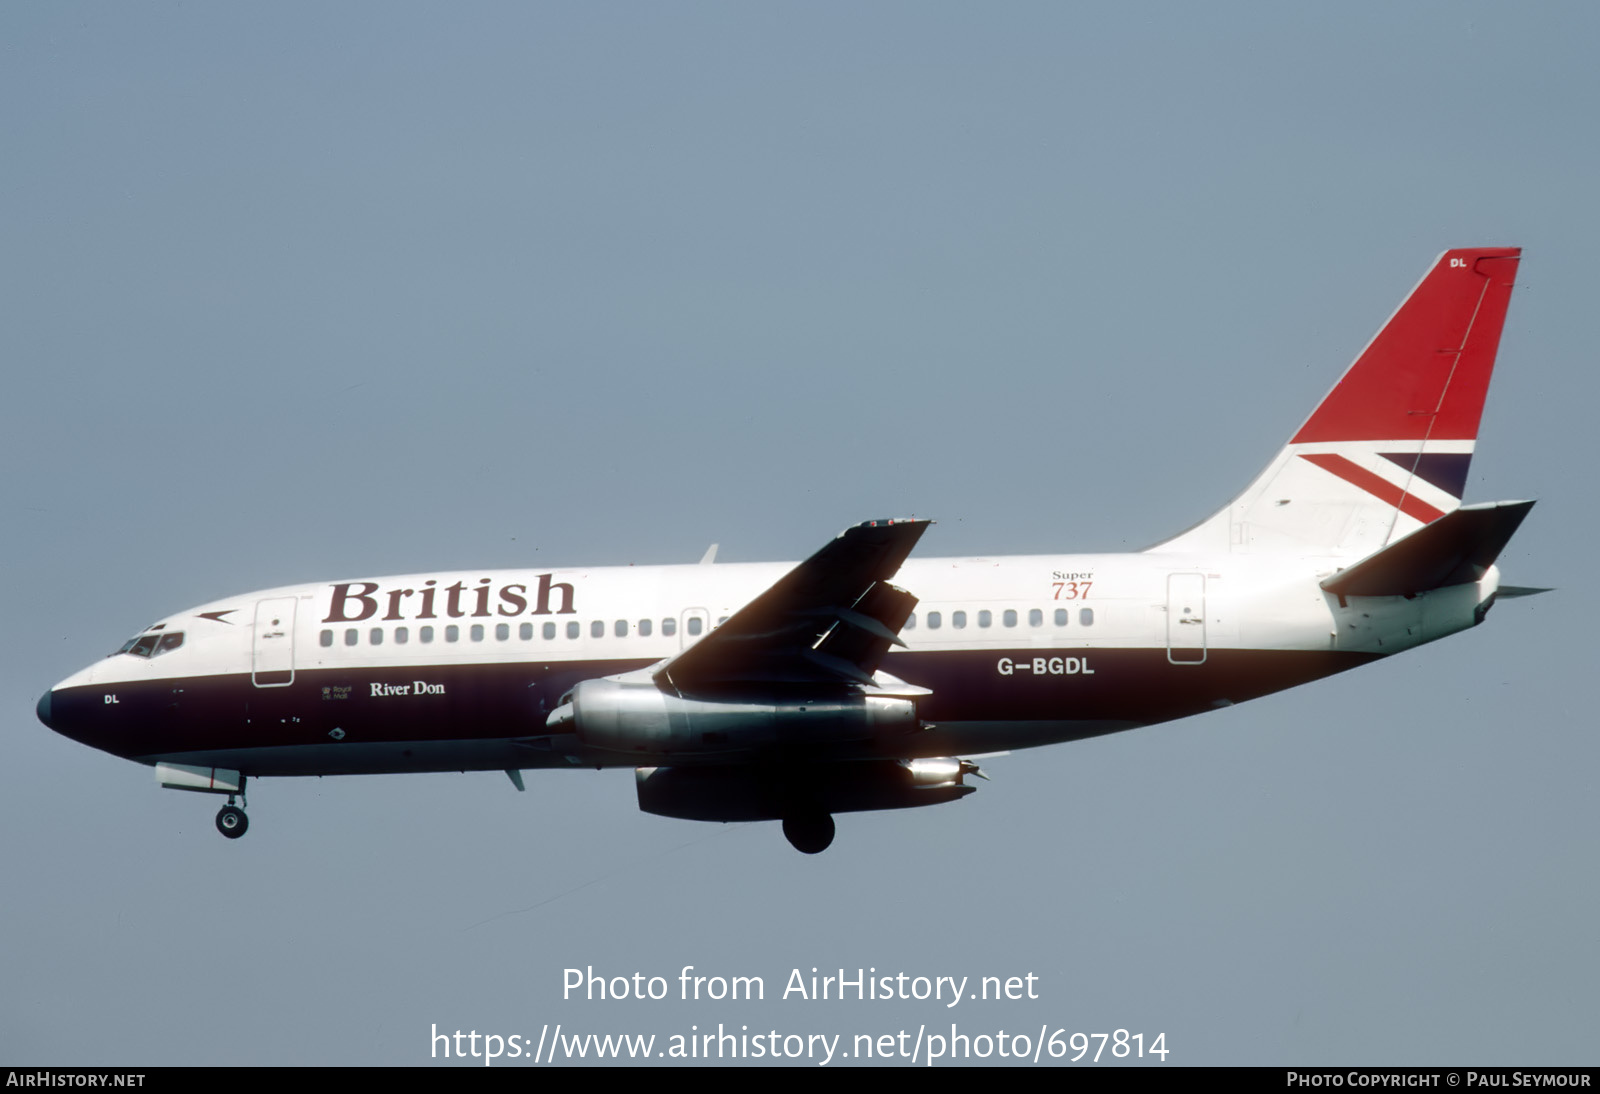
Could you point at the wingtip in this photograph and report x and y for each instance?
(1513, 592)
(920, 524)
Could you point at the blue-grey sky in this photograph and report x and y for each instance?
(291, 292)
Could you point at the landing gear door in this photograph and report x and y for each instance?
(1186, 619)
(272, 664)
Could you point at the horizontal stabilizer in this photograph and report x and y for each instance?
(1456, 549)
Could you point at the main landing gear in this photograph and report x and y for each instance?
(810, 833)
(231, 821)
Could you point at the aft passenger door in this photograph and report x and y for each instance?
(1186, 619)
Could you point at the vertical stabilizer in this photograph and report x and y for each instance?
(1387, 451)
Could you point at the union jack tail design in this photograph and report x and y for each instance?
(1387, 451)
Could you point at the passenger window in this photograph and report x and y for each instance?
(721, 621)
(911, 622)
(935, 621)
(549, 630)
(1062, 615)
(573, 630)
(1035, 617)
(985, 618)
(426, 634)
(644, 628)
(352, 636)
(620, 628)
(694, 624)
(375, 636)
(597, 629)
(502, 631)
(326, 638)
(401, 635)
(525, 631)
(958, 619)
(477, 632)
(452, 633)
(1010, 618)
(669, 626)
(1086, 616)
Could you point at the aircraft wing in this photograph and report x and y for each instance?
(830, 620)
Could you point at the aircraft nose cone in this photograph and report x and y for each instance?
(43, 709)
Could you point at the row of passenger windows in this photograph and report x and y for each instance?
(1008, 618)
(502, 631)
(694, 626)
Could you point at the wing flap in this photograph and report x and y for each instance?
(830, 620)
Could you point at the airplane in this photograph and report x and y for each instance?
(861, 678)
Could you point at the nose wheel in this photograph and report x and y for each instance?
(231, 821)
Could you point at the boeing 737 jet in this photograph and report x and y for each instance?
(861, 678)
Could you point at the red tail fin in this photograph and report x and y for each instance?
(1424, 376)
(1387, 451)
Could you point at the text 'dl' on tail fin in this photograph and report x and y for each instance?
(1387, 450)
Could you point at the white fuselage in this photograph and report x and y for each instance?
(460, 670)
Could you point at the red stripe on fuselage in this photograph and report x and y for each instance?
(1379, 487)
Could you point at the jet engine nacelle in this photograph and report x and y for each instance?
(788, 790)
(640, 718)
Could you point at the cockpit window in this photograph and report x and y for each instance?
(151, 645)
